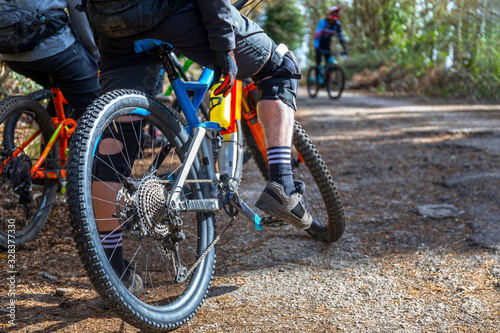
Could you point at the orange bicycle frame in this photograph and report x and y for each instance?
(64, 128)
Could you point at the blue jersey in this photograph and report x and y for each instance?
(324, 33)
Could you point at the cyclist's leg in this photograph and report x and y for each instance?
(282, 196)
(114, 159)
(327, 56)
(74, 70)
(277, 77)
(318, 57)
(118, 150)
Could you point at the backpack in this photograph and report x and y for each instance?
(22, 30)
(118, 18)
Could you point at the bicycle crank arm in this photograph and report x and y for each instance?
(243, 208)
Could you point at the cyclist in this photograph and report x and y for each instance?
(68, 58)
(325, 29)
(213, 34)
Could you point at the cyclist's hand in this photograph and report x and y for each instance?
(225, 68)
(344, 53)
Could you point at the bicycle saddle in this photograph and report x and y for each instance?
(145, 45)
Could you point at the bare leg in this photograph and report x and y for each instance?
(277, 122)
(105, 192)
(105, 205)
(280, 197)
(104, 202)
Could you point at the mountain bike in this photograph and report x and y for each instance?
(166, 207)
(332, 76)
(33, 153)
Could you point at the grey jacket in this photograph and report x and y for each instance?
(61, 40)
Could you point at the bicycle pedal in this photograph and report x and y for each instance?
(273, 222)
(243, 208)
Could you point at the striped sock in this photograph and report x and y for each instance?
(112, 244)
(280, 169)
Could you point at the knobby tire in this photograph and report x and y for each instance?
(312, 82)
(165, 305)
(335, 81)
(20, 116)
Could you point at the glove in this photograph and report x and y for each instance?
(344, 53)
(224, 68)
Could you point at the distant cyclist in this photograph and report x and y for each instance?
(325, 29)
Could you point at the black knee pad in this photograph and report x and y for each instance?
(113, 168)
(283, 81)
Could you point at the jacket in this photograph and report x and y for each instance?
(60, 41)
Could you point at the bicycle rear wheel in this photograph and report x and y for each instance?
(159, 245)
(321, 196)
(312, 82)
(336, 81)
(25, 202)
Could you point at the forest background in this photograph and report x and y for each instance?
(439, 48)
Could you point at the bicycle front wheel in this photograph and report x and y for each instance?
(312, 82)
(25, 128)
(336, 81)
(168, 250)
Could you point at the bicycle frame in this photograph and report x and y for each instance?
(64, 128)
(202, 133)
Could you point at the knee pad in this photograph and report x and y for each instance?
(115, 167)
(283, 82)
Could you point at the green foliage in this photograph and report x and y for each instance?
(439, 47)
(284, 23)
(16, 84)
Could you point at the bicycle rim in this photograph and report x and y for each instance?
(149, 230)
(25, 202)
(336, 81)
(312, 82)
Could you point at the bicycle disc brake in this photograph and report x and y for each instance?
(21, 178)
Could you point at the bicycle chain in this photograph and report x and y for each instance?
(212, 244)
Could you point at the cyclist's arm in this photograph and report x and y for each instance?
(341, 37)
(217, 20)
(82, 29)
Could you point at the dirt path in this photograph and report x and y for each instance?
(420, 182)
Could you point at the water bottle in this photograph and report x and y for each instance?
(220, 111)
(220, 108)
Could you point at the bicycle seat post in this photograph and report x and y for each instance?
(165, 54)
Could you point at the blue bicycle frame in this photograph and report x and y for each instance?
(180, 87)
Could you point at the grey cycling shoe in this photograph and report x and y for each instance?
(134, 285)
(290, 209)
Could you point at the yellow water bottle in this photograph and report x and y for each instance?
(220, 108)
